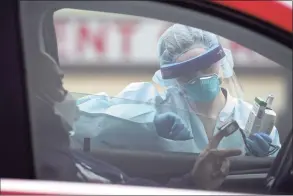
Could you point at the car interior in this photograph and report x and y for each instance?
(247, 174)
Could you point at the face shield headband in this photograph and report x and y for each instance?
(203, 61)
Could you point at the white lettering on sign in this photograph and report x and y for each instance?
(96, 41)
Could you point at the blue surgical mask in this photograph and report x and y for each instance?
(203, 89)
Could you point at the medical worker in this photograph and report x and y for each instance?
(200, 93)
(197, 75)
(194, 61)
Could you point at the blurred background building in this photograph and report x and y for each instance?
(102, 52)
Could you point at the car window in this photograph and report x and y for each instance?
(111, 64)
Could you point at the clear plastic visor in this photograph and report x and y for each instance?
(223, 69)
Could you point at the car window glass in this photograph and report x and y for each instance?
(111, 65)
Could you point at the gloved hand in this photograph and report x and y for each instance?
(170, 126)
(258, 144)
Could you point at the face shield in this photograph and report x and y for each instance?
(206, 84)
(229, 79)
(215, 65)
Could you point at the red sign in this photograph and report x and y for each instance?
(96, 41)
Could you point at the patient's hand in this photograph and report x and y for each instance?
(212, 165)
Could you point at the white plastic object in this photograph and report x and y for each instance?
(254, 122)
(269, 118)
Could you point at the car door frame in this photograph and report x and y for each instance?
(20, 124)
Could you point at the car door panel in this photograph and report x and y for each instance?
(246, 183)
(246, 173)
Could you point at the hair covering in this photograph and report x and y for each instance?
(179, 39)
